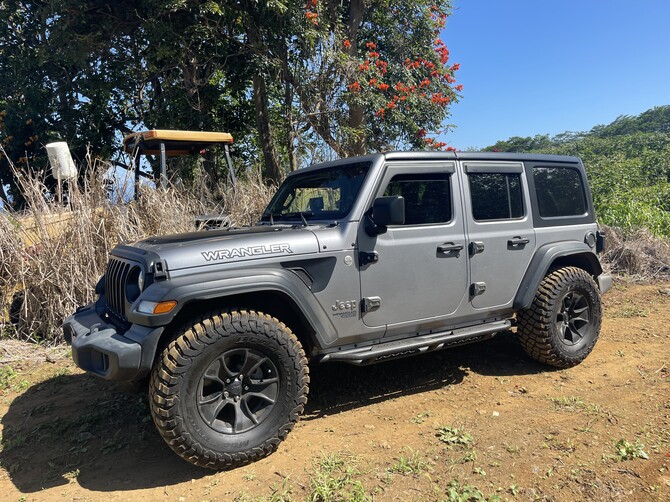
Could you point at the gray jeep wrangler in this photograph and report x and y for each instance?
(359, 260)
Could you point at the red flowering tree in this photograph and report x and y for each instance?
(373, 75)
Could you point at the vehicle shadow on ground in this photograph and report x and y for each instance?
(338, 387)
(80, 429)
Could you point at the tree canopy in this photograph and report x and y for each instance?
(293, 81)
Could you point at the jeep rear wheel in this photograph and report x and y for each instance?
(562, 324)
(229, 388)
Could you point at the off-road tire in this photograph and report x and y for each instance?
(562, 324)
(190, 375)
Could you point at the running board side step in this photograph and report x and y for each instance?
(418, 344)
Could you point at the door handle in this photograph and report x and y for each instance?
(450, 247)
(517, 242)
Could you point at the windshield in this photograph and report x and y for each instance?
(326, 194)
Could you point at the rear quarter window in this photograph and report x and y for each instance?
(559, 191)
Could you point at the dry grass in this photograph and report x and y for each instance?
(52, 255)
(636, 253)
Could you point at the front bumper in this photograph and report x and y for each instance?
(99, 348)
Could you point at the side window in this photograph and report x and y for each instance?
(427, 197)
(560, 191)
(496, 196)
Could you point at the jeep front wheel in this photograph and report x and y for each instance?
(562, 324)
(229, 388)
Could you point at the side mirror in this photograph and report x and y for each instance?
(386, 211)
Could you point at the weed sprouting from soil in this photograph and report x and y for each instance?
(574, 403)
(412, 463)
(334, 478)
(454, 437)
(628, 451)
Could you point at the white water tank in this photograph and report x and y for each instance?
(62, 165)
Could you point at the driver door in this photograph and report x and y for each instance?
(420, 272)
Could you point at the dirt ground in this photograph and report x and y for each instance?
(480, 422)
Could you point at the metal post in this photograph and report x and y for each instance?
(163, 167)
(136, 167)
(231, 170)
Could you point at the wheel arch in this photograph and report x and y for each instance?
(276, 292)
(551, 257)
(272, 302)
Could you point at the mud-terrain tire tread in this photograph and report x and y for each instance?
(188, 343)
(535, 324)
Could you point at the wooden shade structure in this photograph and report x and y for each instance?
(171, 143)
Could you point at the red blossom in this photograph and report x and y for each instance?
(371, 45)
(425, 82)
(421, 133)
(372, 81)
(441, 51)
(381, 66)
(373, 54)
(456, 67)
(355, 87)
(450, 149)
(346, 44)
(459, 87)
(364, 66)
(380, 112)
(383, 86)
(439, 99)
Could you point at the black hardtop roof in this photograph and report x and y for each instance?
(422, 155)
(419, 155)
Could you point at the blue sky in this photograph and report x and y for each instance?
(546, 66)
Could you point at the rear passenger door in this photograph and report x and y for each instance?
(501, 239)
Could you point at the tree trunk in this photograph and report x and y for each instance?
(271, 169)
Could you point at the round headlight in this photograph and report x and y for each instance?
(134, 284)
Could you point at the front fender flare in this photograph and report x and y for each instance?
(212, 285)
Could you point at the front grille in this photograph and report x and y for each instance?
(115, 286)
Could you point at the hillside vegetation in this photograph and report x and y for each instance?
(628, 164)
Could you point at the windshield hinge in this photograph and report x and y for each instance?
(365, 258)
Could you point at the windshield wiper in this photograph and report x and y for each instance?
(303, 215)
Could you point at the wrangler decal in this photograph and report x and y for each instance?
(227, 254)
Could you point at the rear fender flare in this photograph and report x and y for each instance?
(542, 262)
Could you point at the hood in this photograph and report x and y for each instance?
(196, 249)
